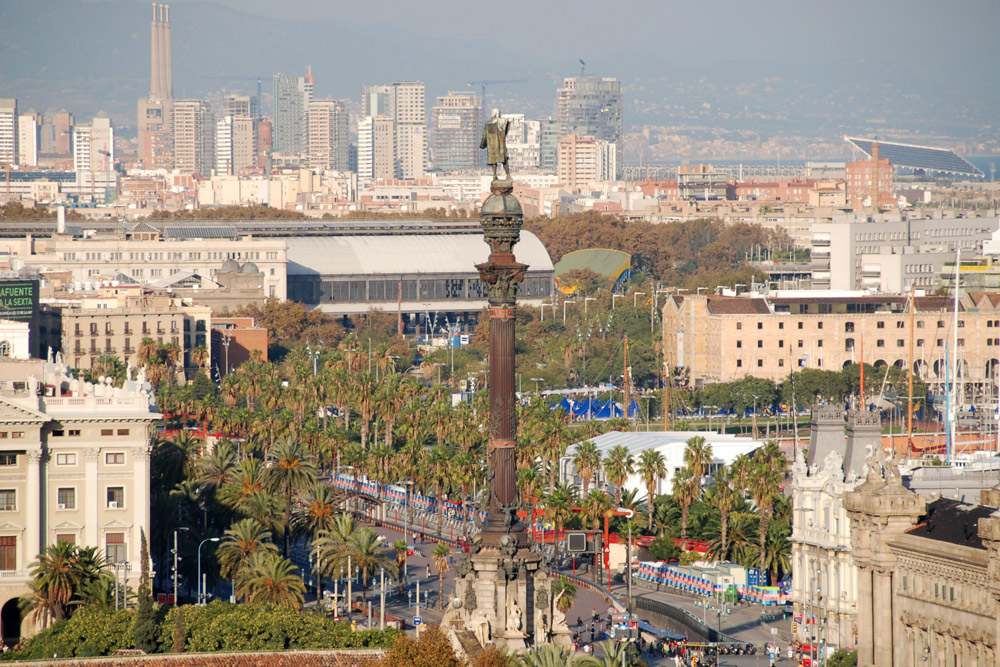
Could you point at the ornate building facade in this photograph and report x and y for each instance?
(74, 467)
(928, 574)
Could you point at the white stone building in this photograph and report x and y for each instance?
(74, 467)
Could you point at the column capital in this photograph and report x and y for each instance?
(92, 455)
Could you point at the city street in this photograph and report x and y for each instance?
(743, 623)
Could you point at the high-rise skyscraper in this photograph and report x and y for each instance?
(28, 125)
(57, 133)
(292, 96)
(8, 131)
(154, 121)
(238, 105)
(457, 123)
(404, 104)
(548, 144)
(523, 142)
(326, 123)
(411, 129)
(194, 135)
(591, 106)
(94, 147)
(375, 147)
(224, 145)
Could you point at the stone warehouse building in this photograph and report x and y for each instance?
(724, 338)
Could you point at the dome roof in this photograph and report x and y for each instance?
(502, 205)
(249, 267)
(230, 265)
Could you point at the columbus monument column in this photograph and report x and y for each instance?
(503, 589)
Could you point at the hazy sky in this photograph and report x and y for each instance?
(926, 60)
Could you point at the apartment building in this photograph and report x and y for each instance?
(591, 106)
(458, 123)
(585, 160)
(8, 130)
(94, 146)
(193, 136)
(75, 463)
(724, 338)
(327, 136)
(115, 320)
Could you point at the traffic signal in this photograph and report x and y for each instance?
(795, 628)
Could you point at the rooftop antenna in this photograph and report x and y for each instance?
(583, 66)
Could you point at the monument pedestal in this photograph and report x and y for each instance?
(506, 596)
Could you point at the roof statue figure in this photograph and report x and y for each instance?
(495, 142)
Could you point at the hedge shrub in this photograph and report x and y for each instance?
(218, 626)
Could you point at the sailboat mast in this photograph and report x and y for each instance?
(909, 405)
(954, 350)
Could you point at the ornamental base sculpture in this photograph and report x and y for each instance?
(504, 597)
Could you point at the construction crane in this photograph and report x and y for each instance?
(483, 84)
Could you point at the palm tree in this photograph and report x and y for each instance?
(565, 591)
(438, 470)
(554, 442)
(441, 553)
(273, 579)
(367, 553)
(724, 497)
(587, 461)
(332, 545)
(614, 654)
(402, 548)
(739, 473)
(315, 509)
(240, 543)
(594, 505)
(686, 488)
(550, 655)
(291, 470)
(247, 480)
(652, 468)
(697, 458)
(59, 576)
(558, 507)
(765, 487)
(199, 356)
(618, 466)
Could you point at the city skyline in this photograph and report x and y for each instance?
(811, 82)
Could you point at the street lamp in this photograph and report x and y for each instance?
(565, 303)
(176, 559)
(314, 354)
(201, 587)
(613, 297)
(585, 300)
(635, 298)
(536, 381)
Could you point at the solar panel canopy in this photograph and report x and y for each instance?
(911, 156)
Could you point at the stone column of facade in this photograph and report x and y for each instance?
(880, 510)
(33, 502)
(140, 511)
(91, 536)
(989, 533)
